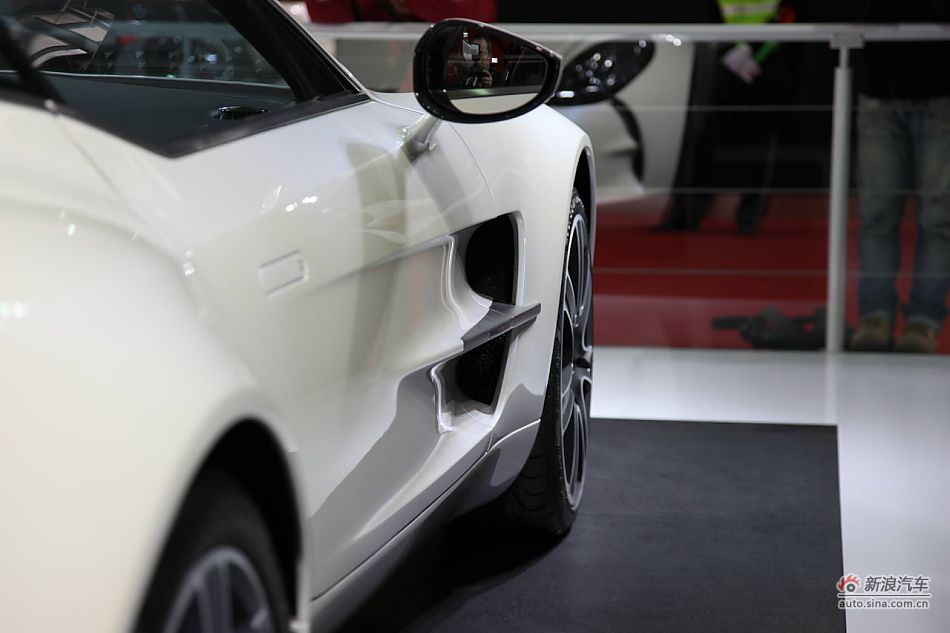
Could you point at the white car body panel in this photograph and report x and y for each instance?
(334, 347)
(306, 277)
(86, 492)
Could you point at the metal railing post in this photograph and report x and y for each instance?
(838, 196)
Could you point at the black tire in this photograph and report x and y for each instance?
(547, 493)
(218, 525)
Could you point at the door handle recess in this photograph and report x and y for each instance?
(282, 272)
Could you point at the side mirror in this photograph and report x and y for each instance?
(469, 72)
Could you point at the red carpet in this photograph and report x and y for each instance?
(664, 289)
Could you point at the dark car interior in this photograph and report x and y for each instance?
(158, 72)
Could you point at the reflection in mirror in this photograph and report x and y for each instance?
(487, 72)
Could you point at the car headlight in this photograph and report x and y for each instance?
(600, 71)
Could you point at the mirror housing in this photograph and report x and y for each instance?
(469, 72)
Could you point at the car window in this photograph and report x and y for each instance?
(162, 70)
(185, 39)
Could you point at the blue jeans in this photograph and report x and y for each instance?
(904, 149)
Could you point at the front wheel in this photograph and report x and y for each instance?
(547, 493)
(218, 573)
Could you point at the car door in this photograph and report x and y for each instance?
(330, 263)
(319, 248)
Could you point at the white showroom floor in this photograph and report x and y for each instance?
(893, 419)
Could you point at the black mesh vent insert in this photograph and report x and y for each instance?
(490, 270)
(477, 371)
(490, 260)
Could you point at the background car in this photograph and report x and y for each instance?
(260, 326)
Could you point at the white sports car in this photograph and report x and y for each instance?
(258, 326)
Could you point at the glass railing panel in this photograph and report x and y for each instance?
(713, 182)
(899, 225)
(721, 241)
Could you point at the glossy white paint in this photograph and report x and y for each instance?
(307, 277)
(113, 386)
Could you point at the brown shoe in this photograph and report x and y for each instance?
(874, 335)
(918, 338)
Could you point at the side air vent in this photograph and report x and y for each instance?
(477, 372)
(490, 261)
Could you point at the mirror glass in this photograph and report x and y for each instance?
(487, 72)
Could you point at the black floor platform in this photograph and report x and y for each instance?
(684, 527)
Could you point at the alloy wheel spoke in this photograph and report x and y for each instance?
(585, 300)
(260, 621)
(206, 606)
(221, 586)
(224, 610)
(582, 284)
(575, 456)
(570, 301)
(576, 270)
(582, 281)
(567, 381)
(584, 403)
(567, 407)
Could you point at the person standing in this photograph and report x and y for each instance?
(903, 147)
(735, 89)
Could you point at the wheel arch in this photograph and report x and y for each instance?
(584, 181)
(251, 453)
